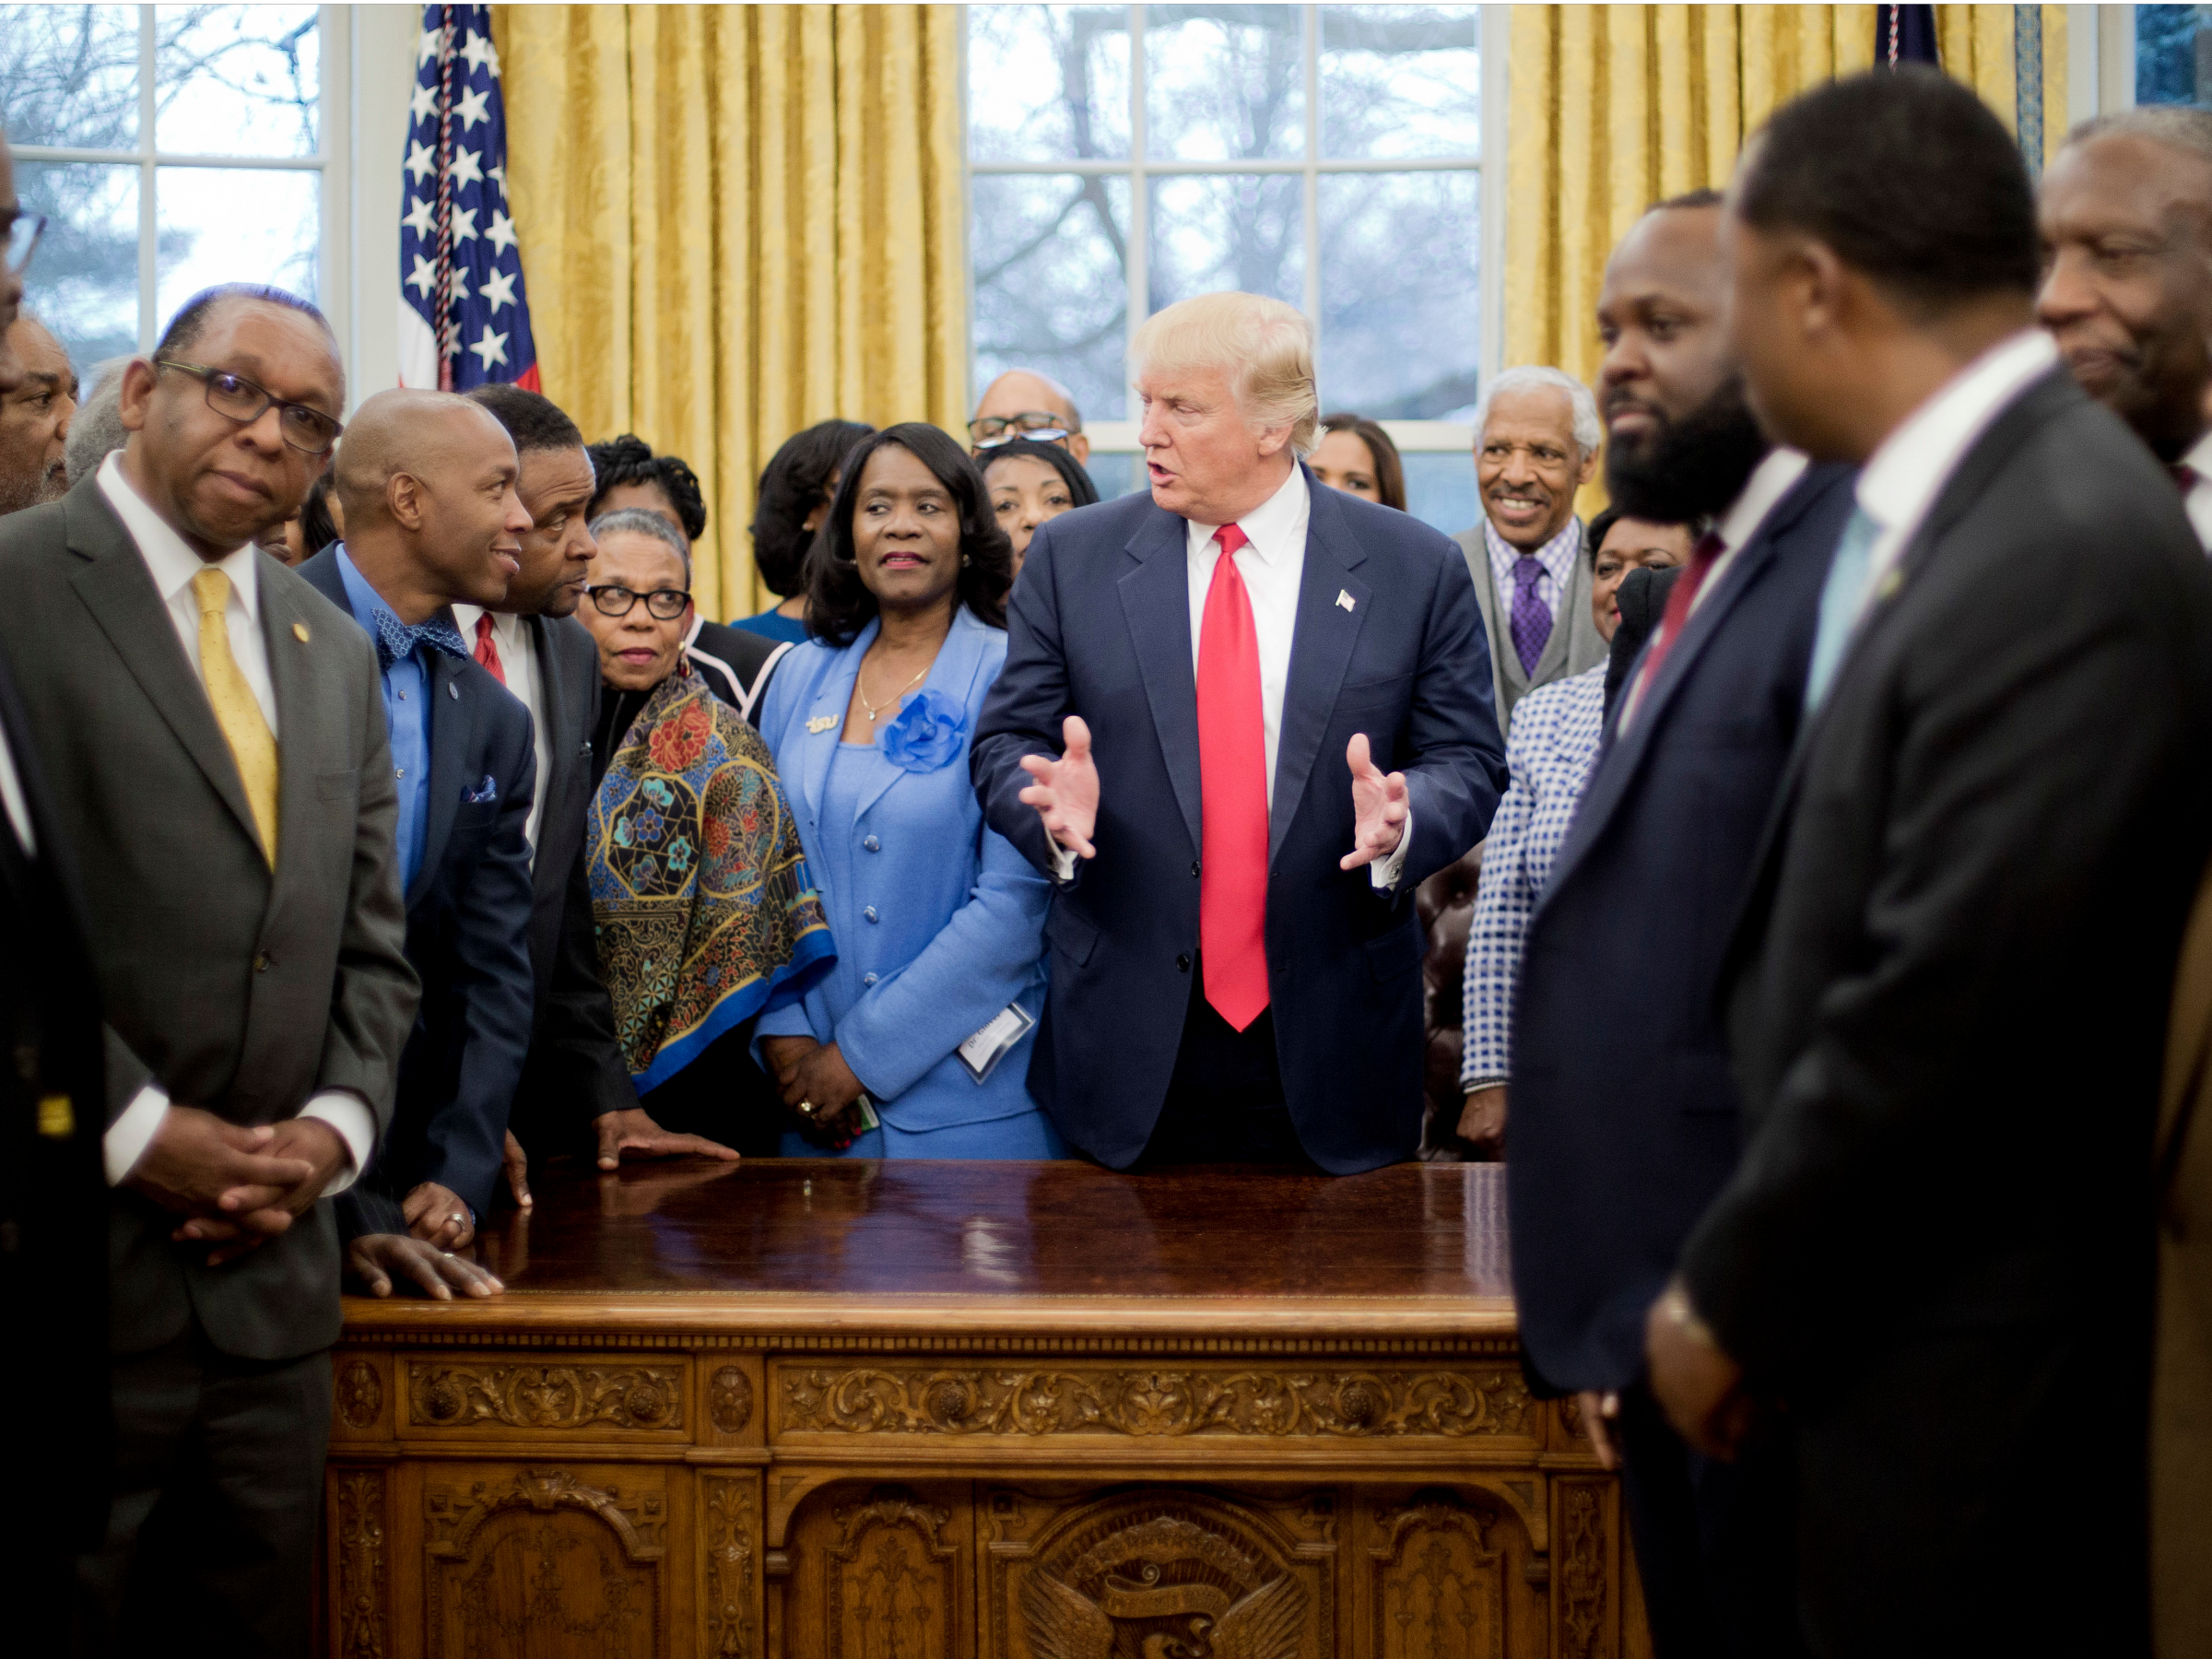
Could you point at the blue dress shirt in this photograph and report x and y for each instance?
(407, 717)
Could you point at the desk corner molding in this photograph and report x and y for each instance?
(444, 1395)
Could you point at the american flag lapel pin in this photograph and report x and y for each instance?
(1344, 600)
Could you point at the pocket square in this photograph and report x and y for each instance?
(486, 791)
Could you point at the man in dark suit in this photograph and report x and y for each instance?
(1622, 1129)
(1948, 995)
(1229, 666)
(575, 1088)
(427, 483)
(216, 762)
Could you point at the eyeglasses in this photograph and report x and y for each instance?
(662, 605)
(23, 232)
(988, 431)
(308, 430)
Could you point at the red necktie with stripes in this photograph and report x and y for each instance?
(1233, 775)
(1685, 593)
(488, 649)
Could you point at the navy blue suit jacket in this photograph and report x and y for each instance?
(1100, 625)
(468, 933)
(1624, 1110)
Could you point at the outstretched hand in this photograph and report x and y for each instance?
(633, 1133)
(1378, 807)
(1066, 793)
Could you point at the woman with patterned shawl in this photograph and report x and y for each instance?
(706, 913)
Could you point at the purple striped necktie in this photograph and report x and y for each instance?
(1532, 621)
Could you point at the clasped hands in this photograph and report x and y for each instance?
(236, 1187)
(813, 1075)
(1065, 795)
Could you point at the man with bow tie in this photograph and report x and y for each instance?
(428, 483)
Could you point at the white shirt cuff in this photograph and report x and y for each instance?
(349, 1115)
(1064, 864)
(1385, 872)
(129, 1136)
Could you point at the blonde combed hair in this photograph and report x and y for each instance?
(1264, 346)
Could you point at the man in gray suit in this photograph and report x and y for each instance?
(1536, 435)
(213, 736)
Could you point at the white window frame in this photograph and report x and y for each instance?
(332, 161)
(1412, 437)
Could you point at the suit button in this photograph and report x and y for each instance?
(261, 962)
(869, 915)
(872, 844)
(1194, 866)
(867, 979)
(1182, 964)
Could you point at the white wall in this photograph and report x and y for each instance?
(382, 42)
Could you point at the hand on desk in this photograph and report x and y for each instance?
(376, 1259)
(812, 1075)
(437, 1217)
(1378, 806)
(514, 1163)
(634, 1133)
(1482, 1120)
(1065, 794)
(1696, 1383)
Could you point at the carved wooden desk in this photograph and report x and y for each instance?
(1033, 1410)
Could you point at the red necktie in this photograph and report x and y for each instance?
(488, 649)
(1684, 594)
(1232, 776)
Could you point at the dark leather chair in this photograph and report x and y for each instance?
(1445, 904)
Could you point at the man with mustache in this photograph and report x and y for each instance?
(34, 417)
(1620, 1136)
(1535, 443)
(427, 481)
(2124, 218)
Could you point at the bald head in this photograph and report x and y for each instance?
(1023, 392)
(427, 483)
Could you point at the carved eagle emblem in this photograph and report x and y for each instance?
(1180, 1621)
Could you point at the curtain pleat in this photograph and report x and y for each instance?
(1615, 107)
(738, 222)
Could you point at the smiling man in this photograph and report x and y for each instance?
(427, 481)
(34, 419)
(1536, 435)
(1202, 691)
(2125, 217)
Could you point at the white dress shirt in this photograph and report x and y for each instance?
(518, 661)
(2199, 498)
(172, 565)
(1272, 561)
(1907, 472)
(12, 801)
(1768, 482)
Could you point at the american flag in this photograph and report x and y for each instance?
(463, 316)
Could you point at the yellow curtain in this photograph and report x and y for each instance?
(1615, 107)
(737, 221)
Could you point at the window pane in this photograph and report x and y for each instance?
(1119, 474)
(1400, 80)
(235, 225)
(1238, 230)
(69, 76)
(1050, 259)
(1401, 328)
(84, 278)
(236, 80)
(1048, 83)
(1439, 489)
(1224, 83)
(2174, 54)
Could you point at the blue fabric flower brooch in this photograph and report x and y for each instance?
(928, 733)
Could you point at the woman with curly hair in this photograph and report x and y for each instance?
(705, 908)
(917, 1042)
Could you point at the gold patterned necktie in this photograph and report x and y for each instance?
(245, 729)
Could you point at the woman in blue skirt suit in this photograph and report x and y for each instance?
(928, 1017)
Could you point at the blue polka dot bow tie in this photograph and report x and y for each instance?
(396, 642)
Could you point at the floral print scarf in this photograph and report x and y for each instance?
(706, 913)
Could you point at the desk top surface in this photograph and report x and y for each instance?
(1414, 1250)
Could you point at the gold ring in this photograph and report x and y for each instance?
(806, 1108)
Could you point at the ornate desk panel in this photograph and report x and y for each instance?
(1043, 1411)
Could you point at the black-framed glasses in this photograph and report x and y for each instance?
(988, 431)
(308, 430)
(662, 605)
(23, 233)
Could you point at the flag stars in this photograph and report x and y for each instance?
(475, 106)
(465, 167)
(497, 175)
(464, 224)
(491, 349)
(480, 51)
(428, 46)
(422, 217)
(424, 105)
(498, 289)
(424, 278)
(420, 162)
(501, 234)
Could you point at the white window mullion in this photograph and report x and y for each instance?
(1311, 181)
(149, 215)
(1140, 199)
